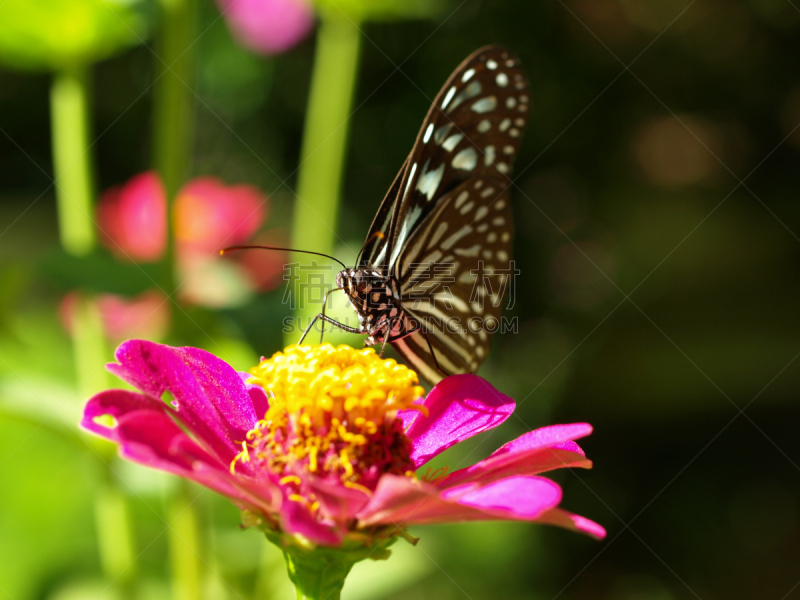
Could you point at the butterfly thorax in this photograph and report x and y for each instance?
(374, 297)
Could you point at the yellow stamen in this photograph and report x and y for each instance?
(329, 407)
(312, 459)
(243, 456)
(357, 486)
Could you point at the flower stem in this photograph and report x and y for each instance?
(318, 573)
(115, 536)
(89, 349)
(173, 119)
(112, 516)
(184, 545)
(316, 577)
(174, 109)
(324, 145)
(69, 116)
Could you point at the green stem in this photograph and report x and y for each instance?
(173, 119)
(184, 545)
(114, 528)
(324, 146)
(89, 349)
(174, 108)
(115, 536)
(317, 577)
(319, 573)
(69, 115)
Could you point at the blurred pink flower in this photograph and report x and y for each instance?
(147, 315)
(265, 268)
(207, 216)
(133, 218)
(268, 26)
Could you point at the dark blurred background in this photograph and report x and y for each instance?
(658, 230)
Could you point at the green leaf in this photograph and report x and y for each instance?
(52, 34)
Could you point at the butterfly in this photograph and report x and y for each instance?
(431, 276)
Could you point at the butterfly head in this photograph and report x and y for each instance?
(370, 292)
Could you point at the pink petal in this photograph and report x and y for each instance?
(115, 403)
(144, 431)
(147, 315)
(520, 497)
(210, 397)
(531, 453)
(268, 26)
(552, 436)
(562, 518)
(160, 443)
(148, 435)
(133, 218)
(153, 439)
(337, 502)
(297, 518)
(459, 407)
(403, 501)
(257, 396)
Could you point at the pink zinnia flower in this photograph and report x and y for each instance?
(320, 445)
(207, 216)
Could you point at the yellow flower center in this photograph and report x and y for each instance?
(333, 412)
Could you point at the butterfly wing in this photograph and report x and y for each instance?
(455, 273)
(375, 245)
(472, 128)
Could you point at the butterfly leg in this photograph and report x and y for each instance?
(324, 306)
(325, 319)
(383, 345)
(399, 336)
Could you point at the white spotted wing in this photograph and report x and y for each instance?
(455, 275)
(472, 129)
(443, 232)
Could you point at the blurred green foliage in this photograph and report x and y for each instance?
(53, 34)
(658, 235)
(387, 10)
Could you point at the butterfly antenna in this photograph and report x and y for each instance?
(231, 248)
